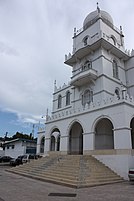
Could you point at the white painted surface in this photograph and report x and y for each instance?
(118, 163)
(104, 44)
(18, 149)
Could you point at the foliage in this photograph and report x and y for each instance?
(21, 135)
(17, 135)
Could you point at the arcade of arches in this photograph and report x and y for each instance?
(55, 140)
(104, 137)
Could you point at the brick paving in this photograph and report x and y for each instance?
(18, 188)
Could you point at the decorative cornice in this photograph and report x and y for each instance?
(92, 107)
(123, 128)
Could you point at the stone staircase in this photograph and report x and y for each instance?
(71, 170)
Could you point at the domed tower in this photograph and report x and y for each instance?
(98, 56)
(95, 15)
(94, 114)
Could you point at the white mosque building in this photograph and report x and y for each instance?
(94, 113)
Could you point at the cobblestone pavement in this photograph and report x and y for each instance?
(17, 188)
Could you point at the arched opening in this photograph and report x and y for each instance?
(115, 70)
(132, 132)
(87, 97)
(76, 139)
(58, 143)
(42, 145)
(59, 101)
(85, 40)
(68, 98)
(117, 92)
(87, 65)
(55, 140)
(112, 39)
(52, 148)
(104, 138)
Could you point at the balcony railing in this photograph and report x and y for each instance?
(83, 75)
(82, 69)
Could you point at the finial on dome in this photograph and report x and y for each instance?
(98, 7)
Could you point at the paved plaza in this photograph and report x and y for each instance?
(18, 188)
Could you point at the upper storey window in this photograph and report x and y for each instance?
(117, 92)
(113, 40)
(87, 65)
(85, 40)
(68, 98)
(87, 97)
(115, 70)
(59, 101)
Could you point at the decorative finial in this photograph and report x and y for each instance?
(55, 87)
(121, 31)
(98, 7)
(47, 114)
(75, 31)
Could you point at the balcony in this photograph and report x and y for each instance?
(83, 75)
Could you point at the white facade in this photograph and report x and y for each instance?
(94, 114)
(17, 147)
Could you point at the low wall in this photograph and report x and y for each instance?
(118, 163)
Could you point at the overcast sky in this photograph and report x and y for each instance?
(35, 35)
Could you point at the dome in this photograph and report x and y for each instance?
(93, 16)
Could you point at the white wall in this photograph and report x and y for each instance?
(118, 163)
(119, 112)
(18, 150)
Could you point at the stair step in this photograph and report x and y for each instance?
(75, 171)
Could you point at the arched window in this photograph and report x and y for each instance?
(59, 101)
(104, 136)
(117, 92)
(58, 143)
(85, 40)
(52, 145)
(87, 97)
(87, 65)
(115, 69)
(68, 98)
(113, 39)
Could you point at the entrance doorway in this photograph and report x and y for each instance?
(104, 138)
(76, 139)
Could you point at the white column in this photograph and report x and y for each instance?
(122, 138)
(88, 141)
(38, 145)
(47, 145)
(64, 144)
(38, 149)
